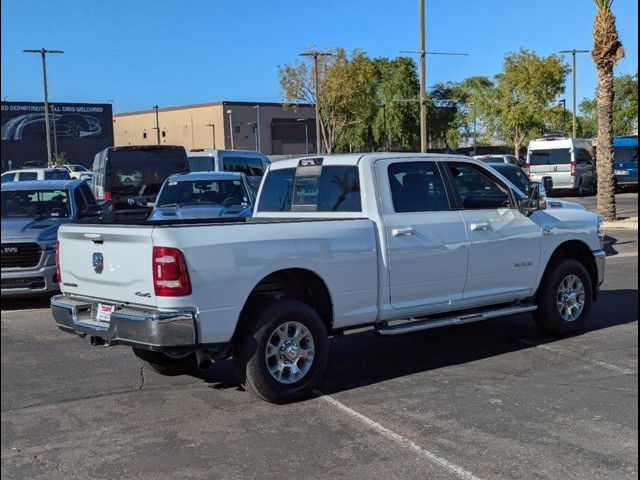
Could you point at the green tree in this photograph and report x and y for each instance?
(523, 93)
(60, 159)
(346, 99)
(625, 107)
(607, 50)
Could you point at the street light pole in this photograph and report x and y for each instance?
(475, 131)
(573, 54)
(157, 108)
(315, 54)
(564, 114)
(213, 133)
(43, 52)
(230, 112)
(255, 132)
(259, 143)
(306, 134)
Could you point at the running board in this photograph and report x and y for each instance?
(426, 324)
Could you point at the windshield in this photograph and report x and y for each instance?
(35, 203)
(560, 156)
(625, 154)
(142, 172)
(515, 175)
(77, 168)
(225, 192)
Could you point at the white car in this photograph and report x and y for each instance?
(398, 242)
(30, 174)
(79, 171)
(500, 158)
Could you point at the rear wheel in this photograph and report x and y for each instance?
(564, 299)
(282, 351)
(168, 363)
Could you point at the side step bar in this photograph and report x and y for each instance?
(426, 324)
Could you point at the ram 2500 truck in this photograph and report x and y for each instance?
(399, 242)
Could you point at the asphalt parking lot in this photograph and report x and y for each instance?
(491, 400)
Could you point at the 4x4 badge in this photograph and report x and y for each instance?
(98, 262)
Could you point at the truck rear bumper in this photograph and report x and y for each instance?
(138, 327)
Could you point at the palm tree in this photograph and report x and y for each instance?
(607, 50)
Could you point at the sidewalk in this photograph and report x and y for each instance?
(630, 223)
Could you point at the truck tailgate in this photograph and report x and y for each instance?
(108, 262)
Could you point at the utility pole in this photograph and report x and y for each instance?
(255, 132)
(43, 52)
(475, 126)
(315, 54)
(230, 113)
(157, 108)
(258, 139)
(573, 54)
(423, 82)
(213, 133)
(306, 134)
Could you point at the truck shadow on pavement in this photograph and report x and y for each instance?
(364, 358)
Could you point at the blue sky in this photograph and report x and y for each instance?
(139, 53)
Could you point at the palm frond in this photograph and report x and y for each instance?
(603, 4)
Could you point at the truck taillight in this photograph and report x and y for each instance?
(170, 274)
(58, 275)
(573, 168)
(527, 168)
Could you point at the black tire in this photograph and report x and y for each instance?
(249, 359)
(548, 314)
(168, 365)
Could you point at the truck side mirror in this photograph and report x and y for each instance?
(532, 203)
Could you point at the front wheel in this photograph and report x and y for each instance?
(282, 351)
(564, 299)
(168, 363)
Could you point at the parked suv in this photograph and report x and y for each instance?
(29, 174)
(31, 215)
(568, 161)
(132, 176)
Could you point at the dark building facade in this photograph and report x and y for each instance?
(78, 129)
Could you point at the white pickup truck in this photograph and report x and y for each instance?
(399, 242)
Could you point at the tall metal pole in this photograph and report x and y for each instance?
(43, 52)
(55, 133)
(259, 144)
(230, 112)
(157, 108)
(213, 133)
(475, 131)
(573, 52)
(423, 81)
(315, 54)
(306, 134)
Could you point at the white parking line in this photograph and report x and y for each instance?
(399, 439)
(623, 255)
(22, 310)
(592, 361)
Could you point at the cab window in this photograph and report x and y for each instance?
(476, 189)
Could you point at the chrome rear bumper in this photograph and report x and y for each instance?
(138, 327)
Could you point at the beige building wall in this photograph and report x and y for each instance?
(191, 126)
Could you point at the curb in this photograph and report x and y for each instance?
(628, 224)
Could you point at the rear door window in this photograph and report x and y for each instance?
(277, 190)
(27, 176)
(583, 156)
(560, 156)
(417, 187)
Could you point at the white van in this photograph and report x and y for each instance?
(251, 163)
(568, 161)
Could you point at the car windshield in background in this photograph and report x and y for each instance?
(250, 166)
(515, 175)
(142, 172)
(77, 168)
(203, 192)
(625, 154)
(35, 203)
(560, 156)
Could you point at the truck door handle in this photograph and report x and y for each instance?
(476, 227)
(402, 232)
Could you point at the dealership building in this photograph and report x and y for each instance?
(80, 130)
(272, 128)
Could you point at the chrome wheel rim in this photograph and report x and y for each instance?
(571, 298)
(289, 352)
